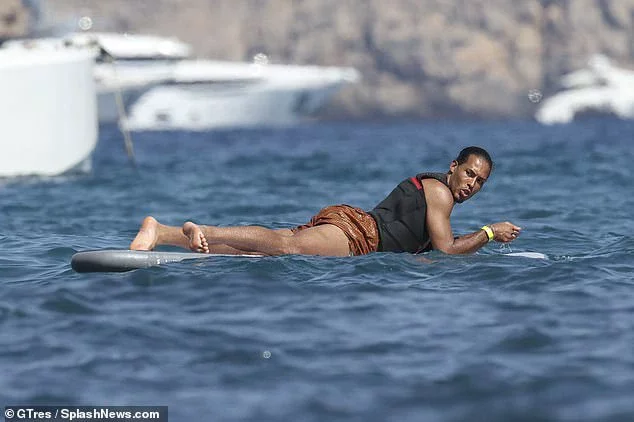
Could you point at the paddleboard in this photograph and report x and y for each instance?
(120, 260)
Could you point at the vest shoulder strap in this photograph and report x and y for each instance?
(441, 177)
(416, 182)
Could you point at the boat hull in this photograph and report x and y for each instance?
(207, 107)
(48, 111)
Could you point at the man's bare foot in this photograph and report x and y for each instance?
(197, 240)
(147, 236)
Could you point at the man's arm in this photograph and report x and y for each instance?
(439, 206)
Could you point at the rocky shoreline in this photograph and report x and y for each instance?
(418, 58)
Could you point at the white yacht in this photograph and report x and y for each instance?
(211, 94)
(601, 88)
(163, 88)
(48, 111)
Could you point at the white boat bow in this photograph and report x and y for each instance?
(602, 87)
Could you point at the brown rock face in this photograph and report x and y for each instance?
(14, 19)
(418, 58)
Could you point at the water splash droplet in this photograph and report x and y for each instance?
(85, 23)
(535, 95)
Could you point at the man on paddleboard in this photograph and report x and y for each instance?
(414, 217)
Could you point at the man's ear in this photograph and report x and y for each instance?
(452, 166)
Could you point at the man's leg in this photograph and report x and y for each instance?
(153, 234)
(325, 239)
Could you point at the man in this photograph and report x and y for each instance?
(414, 218)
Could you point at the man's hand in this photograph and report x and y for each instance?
(505, 232)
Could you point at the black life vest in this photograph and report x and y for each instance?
(400, 217)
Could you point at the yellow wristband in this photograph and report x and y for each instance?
(489, 231)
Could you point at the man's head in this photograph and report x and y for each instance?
(468, 172)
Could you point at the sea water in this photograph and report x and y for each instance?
(383, 337)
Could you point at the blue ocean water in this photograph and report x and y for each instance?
(382, 337)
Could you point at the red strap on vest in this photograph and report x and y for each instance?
(416, 182)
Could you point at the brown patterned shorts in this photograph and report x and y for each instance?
(359, 226)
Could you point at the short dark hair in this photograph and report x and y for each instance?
(477, 151)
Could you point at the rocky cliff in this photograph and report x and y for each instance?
(418, 58)
(14, 19)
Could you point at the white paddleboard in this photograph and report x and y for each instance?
(119, 260)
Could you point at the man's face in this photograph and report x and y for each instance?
(468, 178)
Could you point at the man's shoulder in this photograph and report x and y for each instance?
(431, 183)
(435, 190)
